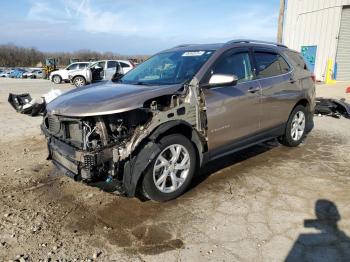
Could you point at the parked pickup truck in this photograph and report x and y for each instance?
(99, 71)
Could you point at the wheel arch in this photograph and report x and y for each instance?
(143, 155)
(304, 102)
(74, 77)
(184, 128)
(53, 75)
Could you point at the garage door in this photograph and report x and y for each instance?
(343, 54)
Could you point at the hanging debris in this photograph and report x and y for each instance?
(332, 107)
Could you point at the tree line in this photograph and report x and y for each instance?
(15, 56)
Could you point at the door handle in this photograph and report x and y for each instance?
(253, 90)
(292, 80)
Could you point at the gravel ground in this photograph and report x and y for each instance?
(255, 205)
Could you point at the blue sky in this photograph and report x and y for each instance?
(133, 26)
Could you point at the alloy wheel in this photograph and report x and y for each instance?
(79, 82)
(56, 79)
(171, 168)
(298, 126)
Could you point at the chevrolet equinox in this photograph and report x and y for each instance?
(149, 132)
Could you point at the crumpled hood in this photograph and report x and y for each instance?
(109, 98)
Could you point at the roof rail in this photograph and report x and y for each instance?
(248, 41)
(183, 45)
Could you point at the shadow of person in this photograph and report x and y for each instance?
(330, 244)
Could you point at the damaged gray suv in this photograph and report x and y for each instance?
(152, 130)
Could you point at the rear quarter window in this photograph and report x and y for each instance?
(270, 64)
(296, 59)
(124, 64)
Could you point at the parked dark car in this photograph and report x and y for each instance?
(183, 107)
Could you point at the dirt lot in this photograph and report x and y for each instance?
(249, 206)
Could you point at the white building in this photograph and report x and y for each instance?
(321, 30)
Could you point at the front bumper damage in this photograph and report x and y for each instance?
(81, 164)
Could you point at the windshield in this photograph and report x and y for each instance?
(168, 68)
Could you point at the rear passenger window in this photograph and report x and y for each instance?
(296, 59)
(124, 64)
(270, 64)
(82, 66)
(235, 64)
(112, 64)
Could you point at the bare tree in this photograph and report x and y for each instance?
(14, 56)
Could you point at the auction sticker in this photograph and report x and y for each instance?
(193, 53)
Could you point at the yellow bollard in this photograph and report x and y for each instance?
(329, 74)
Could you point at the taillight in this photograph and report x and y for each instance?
(313, 77)
(133, 65)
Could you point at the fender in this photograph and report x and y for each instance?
(194, 136)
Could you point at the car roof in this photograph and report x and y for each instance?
(232, 43)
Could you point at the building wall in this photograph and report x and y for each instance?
(314, 22)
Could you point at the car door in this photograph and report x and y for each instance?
(110, 70)
(64, 73)
(279, 90)
(233, 111)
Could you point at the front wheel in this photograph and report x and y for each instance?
(79, 81)
(171, 172)
(295, 128)
(56, 79)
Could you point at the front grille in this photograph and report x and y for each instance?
(89, 161)
(53, 124)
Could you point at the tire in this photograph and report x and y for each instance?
(57, 79)
(295, 128)
(79, 81)
(163, 169)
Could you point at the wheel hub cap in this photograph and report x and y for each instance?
(298, 126)
(171, 168)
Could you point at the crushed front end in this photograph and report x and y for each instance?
(83, 147)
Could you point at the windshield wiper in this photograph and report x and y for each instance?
(140, 83)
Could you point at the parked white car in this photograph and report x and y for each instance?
(62, 75)
(99, 71)
(36, 73)
(5, 73)
(126, 65)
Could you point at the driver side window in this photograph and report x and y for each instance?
(237, 64)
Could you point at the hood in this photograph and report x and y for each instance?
(59, 71)
(109, 98)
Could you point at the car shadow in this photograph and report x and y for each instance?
(329, 244)
(232, 159)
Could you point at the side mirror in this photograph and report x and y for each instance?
(223, 80)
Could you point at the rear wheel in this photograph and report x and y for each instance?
(295, 128)
(171, 172)
(56, 79)
(79, 81)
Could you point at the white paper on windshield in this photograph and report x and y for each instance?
(193, 53)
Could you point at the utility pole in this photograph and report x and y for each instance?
(280, 21)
